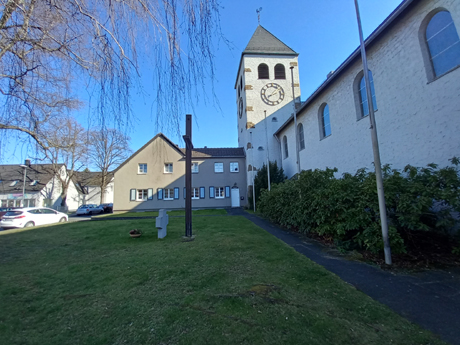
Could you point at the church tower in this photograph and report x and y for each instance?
(264, 97)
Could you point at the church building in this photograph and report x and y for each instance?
(413, 59)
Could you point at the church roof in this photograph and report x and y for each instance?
(263, 42)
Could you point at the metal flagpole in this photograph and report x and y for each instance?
(268, 154)
(252, 174)
(297, 155)
(375, 146)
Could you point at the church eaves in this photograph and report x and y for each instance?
(263, 42)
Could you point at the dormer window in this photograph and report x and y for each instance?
(34, 183)
(14, 183)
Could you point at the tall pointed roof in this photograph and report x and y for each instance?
(263, 42)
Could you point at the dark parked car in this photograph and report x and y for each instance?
(108, 208)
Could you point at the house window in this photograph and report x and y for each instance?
(34, 183)
(285, 146)
(220, 192)
(168, 168)
(142, 194)
(195, 193)
(443, 43)
(142, 168)
(195, 168)
(234, 167)
(14, 183)
(263, 71)
(202, 193)
(325, 122)
(363, 95)
(301, 137)
(280, 71)
(168, 193)
(218, 167)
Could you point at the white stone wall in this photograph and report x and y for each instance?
(264, 129)
(418, 120)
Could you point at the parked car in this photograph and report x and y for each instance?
(108, 208)
(31, 216)
(89, 209)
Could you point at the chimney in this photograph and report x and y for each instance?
(27, 162)
(329, 74)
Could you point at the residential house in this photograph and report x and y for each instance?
(154, 178)
(88, 185)
(42, 187)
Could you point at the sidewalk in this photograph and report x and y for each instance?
(430, 299)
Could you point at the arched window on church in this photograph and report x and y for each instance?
(443, 43)
(263, 71)
(301, 137)
(280, 72)
(325, 121)
(363, 95)
(286, 152)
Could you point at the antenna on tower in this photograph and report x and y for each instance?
(258, 13)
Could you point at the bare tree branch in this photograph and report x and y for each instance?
(48, 48)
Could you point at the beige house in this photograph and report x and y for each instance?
(154, 178)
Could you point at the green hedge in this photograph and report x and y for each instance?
(346, 208)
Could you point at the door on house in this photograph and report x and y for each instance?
(235, 197)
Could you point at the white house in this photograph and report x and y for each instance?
(42, 187)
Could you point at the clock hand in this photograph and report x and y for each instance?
(273, 93)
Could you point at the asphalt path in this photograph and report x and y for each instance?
(429, 298)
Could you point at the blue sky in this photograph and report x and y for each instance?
(323, 32)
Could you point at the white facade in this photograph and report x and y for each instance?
(258, 120)
(418, 116)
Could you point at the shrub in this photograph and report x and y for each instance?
(347, 209)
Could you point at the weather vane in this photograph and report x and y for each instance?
(258, 14)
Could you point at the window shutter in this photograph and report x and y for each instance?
(150, 193)
(202, 192)
(227, 192)
(176, 192)
(185, 192)
(160, 193)
(211, 192)
(132, 195)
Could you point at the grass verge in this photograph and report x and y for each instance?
(90, 283)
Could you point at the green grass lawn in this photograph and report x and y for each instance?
(210, 212)
(90, 283)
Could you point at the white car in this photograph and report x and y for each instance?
(31, 216)
(89, 209)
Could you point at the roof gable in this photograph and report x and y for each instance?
(158, 136)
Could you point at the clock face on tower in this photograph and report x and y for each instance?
(240, 107)
(272, 94)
